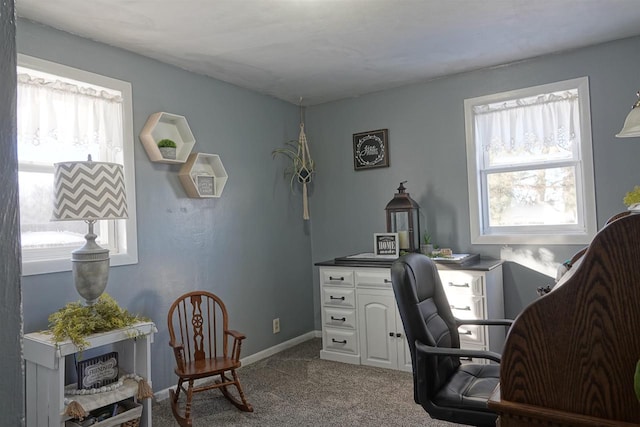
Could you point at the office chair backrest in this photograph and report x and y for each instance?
(426, 315)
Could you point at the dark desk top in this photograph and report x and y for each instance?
(484, 264)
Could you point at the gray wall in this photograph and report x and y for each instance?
(11, 386)
(250, 246)
(427, 148)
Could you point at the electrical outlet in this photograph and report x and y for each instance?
(276, 325)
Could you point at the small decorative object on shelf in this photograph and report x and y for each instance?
(167, 148)
(98, 371)
(203, 175)
(403, 217)
(124, 414)
(77, 321)
(161, 126)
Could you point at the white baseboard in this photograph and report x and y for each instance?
(164, 394)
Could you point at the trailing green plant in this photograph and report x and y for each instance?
(76, 321)
(300, 169)
(167, 143)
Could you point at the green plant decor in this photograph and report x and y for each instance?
(636, 381)
(300, 168)
(632, 196)
(166, 143)
(302, 165)
(426, 238)
(76, 321)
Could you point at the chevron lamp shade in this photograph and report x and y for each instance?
(89, 191)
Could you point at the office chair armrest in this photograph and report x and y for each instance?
(178, 352)
(423, 349)
(490, 322)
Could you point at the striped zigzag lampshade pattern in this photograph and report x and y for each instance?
(89, 191)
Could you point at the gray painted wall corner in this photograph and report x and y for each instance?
(12, 386)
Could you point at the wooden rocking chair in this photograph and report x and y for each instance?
(199, 335)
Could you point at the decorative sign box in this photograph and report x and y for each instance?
(98, 371)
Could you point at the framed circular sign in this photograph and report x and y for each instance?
(371, 149)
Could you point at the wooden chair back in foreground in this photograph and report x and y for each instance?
(570, 356)
(199, 336)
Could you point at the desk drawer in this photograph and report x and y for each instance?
(461, 282)
(467, 307)
(336, 277)
(471, 334)
(338, 297)
(343, 340)
(479, 360)
(373, 278)
(339, 317)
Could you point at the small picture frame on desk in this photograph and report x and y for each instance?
(386, 245)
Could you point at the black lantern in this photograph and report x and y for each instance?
(403, 217)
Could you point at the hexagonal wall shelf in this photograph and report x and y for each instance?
(203, 175)
(167, 126)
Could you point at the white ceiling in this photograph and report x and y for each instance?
(324, 50)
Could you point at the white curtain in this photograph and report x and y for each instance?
(529, 125)
(61, 121)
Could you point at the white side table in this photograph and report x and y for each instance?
(45, 372)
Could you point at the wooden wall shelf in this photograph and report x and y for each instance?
(170, 126)
(203, 175)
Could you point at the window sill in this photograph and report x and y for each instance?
(533, 239)
(32, 268)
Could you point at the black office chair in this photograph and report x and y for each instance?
(446, 389)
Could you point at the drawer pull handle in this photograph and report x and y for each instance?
(456, 285)
(338, 341)
(336, 278)
(391, 334)
(398, 334)
(342, 319)
(395, 334)
(332, 297)
(465, 333)
(465, 308)
(387, 281)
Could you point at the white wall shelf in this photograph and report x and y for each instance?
(167, 126)
(203, 175)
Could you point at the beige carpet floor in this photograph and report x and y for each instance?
(296, 388)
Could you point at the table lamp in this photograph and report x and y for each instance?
(89, 191)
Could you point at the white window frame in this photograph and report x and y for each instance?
(585, 187)
(42, 262)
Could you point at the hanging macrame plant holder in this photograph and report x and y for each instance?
(302, 169)
(305, 170)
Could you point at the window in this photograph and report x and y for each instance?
(530, 166)
(65, 114)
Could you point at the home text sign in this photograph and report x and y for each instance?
(386, 245)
